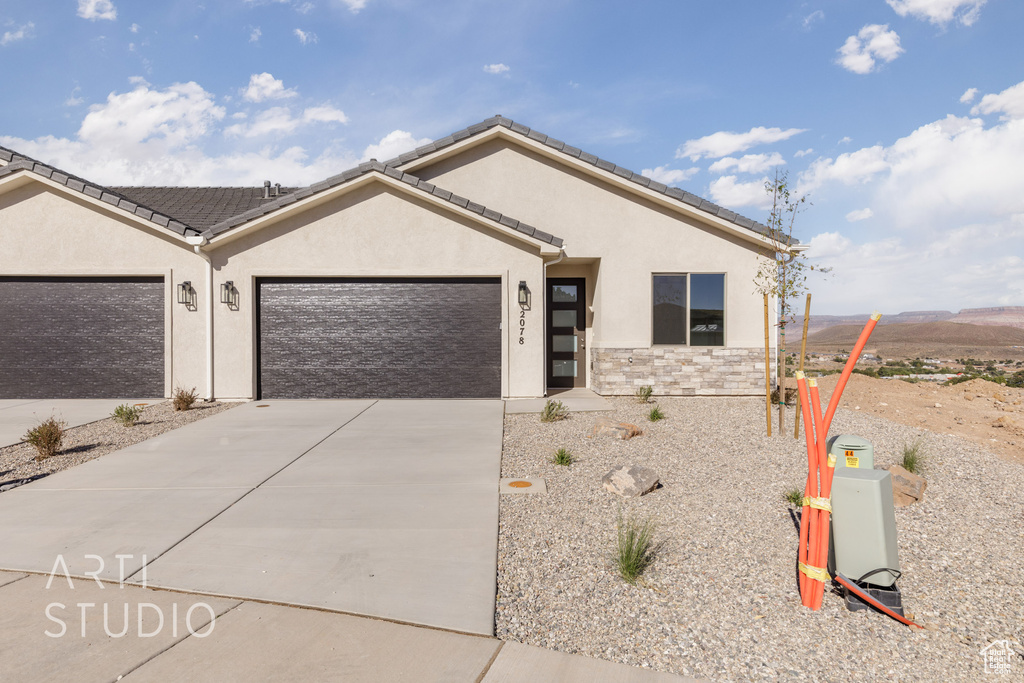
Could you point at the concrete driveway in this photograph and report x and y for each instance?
(380, 508)
(17, 416)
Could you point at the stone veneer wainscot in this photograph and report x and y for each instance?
(680, 371)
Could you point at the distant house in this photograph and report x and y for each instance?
(493, 262)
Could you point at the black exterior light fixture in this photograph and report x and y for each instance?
(524, 294)
(229, 295)
(187, 295)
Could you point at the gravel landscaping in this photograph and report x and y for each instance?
(721, 599)
(90, 441)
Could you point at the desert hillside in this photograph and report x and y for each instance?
(924, 340)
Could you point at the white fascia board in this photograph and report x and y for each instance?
(591, 170)
(17, 180)
(360, 181)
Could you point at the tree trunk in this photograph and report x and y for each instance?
(782, 374)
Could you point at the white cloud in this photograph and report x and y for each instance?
(496, 68)
(21, 33)
(281, 121)
(97, 9)
(1010, 103)
(873, 43)
(305, 37)
(669, 176)
(859, 215)
(354, 5)
(748, 163)
(827, 245)
(134, 28)
(723, 143)
(151, 136)
(845, 140)
(939, 12)
(849, 168)
(968, 95)
(305, 8)
(731, 194)
(265, 87)
(810, 19)
(74, 99)
(803, 152)
(391, 145)
(255, 35)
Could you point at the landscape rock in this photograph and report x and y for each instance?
(907, 488)
(630, 481)
(619, 430)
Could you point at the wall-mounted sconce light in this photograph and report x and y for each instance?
(229, 295)
(187, 295)
(524, 294)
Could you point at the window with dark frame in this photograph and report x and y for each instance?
(702, 313)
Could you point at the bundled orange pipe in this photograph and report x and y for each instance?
(814, 521)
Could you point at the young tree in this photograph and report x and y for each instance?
(783, 275)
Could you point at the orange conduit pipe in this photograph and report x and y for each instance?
(811, 488)
(817, 588)
(848, 368)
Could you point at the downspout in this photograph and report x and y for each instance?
(544, 303)
(198, 242)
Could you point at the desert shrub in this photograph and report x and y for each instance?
(913, 457)
(1016, 379)
(47, 437)
(643, 394)
(564, 457)
(794, 497)
(655, 414)
(127, 415)
(791, 395)
(554, 411)
(183, 399)
(634, 550)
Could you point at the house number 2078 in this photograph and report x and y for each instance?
(522, 325)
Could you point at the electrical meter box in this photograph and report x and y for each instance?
(852, 451)
(863, 536)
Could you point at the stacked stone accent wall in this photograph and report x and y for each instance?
(680, 371)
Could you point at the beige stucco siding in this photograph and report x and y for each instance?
(632, 236)
(374, 231)
(49, 231)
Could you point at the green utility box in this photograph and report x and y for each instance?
(852, 451)
(863, 536)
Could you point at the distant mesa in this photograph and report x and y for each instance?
(1005, 316)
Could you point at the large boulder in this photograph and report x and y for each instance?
(630, 481)
(907, 488)
(609, 427)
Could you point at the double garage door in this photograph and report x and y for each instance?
(379, 338)
(81, 337)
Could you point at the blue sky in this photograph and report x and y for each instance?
(902, 120)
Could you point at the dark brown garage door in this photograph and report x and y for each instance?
(392, 338)
(81, 337)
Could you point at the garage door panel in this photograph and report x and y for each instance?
(385, 338)
(81, 337)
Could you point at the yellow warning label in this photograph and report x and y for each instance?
(852, 461)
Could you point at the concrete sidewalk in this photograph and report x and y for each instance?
(577, 400)
(17, 416)
(173, 636)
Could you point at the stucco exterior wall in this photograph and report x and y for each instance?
(631, 236)
(49, 232)
(375, 231)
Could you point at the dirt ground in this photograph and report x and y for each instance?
(984, 412)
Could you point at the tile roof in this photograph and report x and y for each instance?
(19, 162)
(198, 207)
(375, 166)
(576, 153)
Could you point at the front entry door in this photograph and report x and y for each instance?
(567, 323)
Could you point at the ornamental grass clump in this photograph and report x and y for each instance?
(47, 437)
(794, 497)
(634, 550)
(564, 457)
(554, 411)
(643, 394)
(655, 414)
(183, 399)
(913, 458)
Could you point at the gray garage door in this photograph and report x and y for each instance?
(81, 337)
(394, 338)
